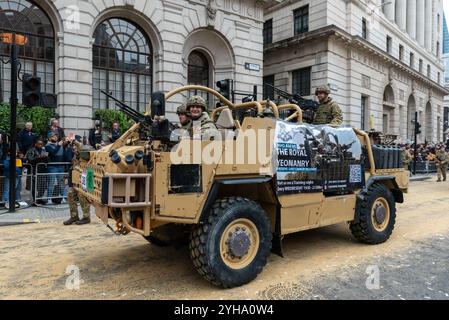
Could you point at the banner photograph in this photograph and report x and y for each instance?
(317, 159)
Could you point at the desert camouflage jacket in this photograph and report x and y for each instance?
(328, 113)
(204, 127)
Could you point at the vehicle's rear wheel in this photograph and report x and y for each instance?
(231, 248)
(375, 215)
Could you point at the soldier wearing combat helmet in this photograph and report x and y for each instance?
(184, 117)
(73, 197)
(201, 124)
(329, 111)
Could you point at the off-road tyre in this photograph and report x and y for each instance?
(365, 228)
(211, 254)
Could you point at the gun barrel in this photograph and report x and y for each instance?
(305, 104)
(135, 115)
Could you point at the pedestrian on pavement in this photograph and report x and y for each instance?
(38, 158)
(115, 132)
(26, 138)
(441, 161)
(56, 153)
(73, 196)
(99, 137)
(6, 166)
(56, 129)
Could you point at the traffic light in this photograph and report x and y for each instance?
(417, 128)
(49, 100)
(31, 92)
(225, 88)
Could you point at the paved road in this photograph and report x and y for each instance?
(39, 261)
(41, 214)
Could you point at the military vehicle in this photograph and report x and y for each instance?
(237, 208)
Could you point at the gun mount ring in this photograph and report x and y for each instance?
(222, 99)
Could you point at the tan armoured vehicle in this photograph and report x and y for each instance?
(240, 192)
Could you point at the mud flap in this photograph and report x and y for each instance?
(102, 213)
(276, 247)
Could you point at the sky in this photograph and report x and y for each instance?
(446, 8)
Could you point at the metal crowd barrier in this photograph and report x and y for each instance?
(424, 167)
(51, 182)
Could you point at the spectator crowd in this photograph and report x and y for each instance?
(430, 158)
(48, 158)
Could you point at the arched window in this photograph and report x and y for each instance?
(37, 57)
(198, 71)
(122, 65)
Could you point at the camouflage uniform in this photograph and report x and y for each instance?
(204, 125)
(328, 112)
(407, 158)
(442, 162)
(181, 129)
(182, 109)
(73, 198)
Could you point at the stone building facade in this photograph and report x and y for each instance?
(132, 48)
(382, 59)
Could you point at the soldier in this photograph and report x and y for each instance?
(201, 123)
(184, 117)
(329, 111)
(441, 162)
(182, 129)
(73, 197)
(407, 158)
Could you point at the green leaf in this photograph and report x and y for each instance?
(40, 117)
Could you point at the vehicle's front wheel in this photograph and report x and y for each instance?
(375, 215)
(231, 248)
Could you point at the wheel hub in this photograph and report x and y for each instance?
(239, 243)
(380, 213)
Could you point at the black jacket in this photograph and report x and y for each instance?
(26, 140)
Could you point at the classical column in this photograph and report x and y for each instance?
(400, 14)
(411, 18)
(420, 18)
(390, 9)
(428, 25)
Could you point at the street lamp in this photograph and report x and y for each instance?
(14, 40)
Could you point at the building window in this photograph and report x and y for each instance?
(389, 44)
(301, 20)
(364, 29)
(268, 32)
(302, 81)
(268, 92)
(439, 78)
(438, 49)
(37, 57)
(364, 112)
(421, 65)
(198, 72)
(198, 69)
(122, 65)
(401, 52)
(429, 71)
(412, 60)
